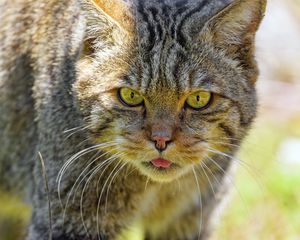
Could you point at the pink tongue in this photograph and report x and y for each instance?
(162, 163)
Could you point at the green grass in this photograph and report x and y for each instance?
(14, 216)
(265, 201)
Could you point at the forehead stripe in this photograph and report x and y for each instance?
(181, 38)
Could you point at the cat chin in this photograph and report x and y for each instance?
(163, 175)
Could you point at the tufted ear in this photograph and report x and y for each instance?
(116, 11)
(110, 23)
(234, 28)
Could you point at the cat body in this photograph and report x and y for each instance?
(162, 165)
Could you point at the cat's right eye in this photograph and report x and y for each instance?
(130, 97)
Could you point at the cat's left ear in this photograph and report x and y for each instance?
(233, 29)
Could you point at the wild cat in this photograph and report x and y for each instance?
(136, 107)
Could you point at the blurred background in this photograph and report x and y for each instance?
(265, 201)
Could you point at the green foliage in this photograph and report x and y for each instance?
(13, 217)
(266, 204)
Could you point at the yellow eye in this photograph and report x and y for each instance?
(199, 100)
(130, 97)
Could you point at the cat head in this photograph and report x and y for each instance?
(166, 85)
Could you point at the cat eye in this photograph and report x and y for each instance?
(199, 100)
(130, 97)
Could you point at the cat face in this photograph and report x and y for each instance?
(168, 99)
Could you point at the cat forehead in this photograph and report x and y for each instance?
(176, 4)
(159, 22)
(163, 28)
(176, 13)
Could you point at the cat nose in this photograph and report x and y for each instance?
(161, 139)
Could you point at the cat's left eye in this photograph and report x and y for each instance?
(199, 100)
(130, 97)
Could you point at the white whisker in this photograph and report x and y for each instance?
(77, 183)
(99, 200)
(250, 169)
(77, 131)
(109, 185)
(223, 143)
(211, 185)
(112, 158)
(73, 159)
(200, 199)
(146, 184)
(72, 129)
(232, 182)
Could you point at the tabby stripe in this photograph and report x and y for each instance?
(243, 122)
(163, 63)
(213, 120)
(158, 27)
(176, 73)
(181, 38)
(216, 112)
(104, 125)
(182, 8)
(166, 11)
(151, 38)
(181, 59)
(140, 75)
(150, 77)
(163, 60)
(173, 27)
(181, 3)
(128, 80)
(238, 107)
(227, 130)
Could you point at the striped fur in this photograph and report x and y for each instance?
(165, 50)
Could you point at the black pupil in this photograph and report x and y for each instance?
(198, 98)
(132, 95)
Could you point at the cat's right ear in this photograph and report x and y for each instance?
(117, 12)
(109, 23)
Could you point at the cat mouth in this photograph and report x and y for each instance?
(162, 170)
(161, 165)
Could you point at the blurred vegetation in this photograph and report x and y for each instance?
(14, 216)
(266, 197)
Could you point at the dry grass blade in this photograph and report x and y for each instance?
(44, 174)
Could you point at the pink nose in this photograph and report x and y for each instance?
(161, 140)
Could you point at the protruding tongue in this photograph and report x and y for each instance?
(161, 163)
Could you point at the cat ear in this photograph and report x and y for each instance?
(234, 28)
(109, 23)
(117, 12)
